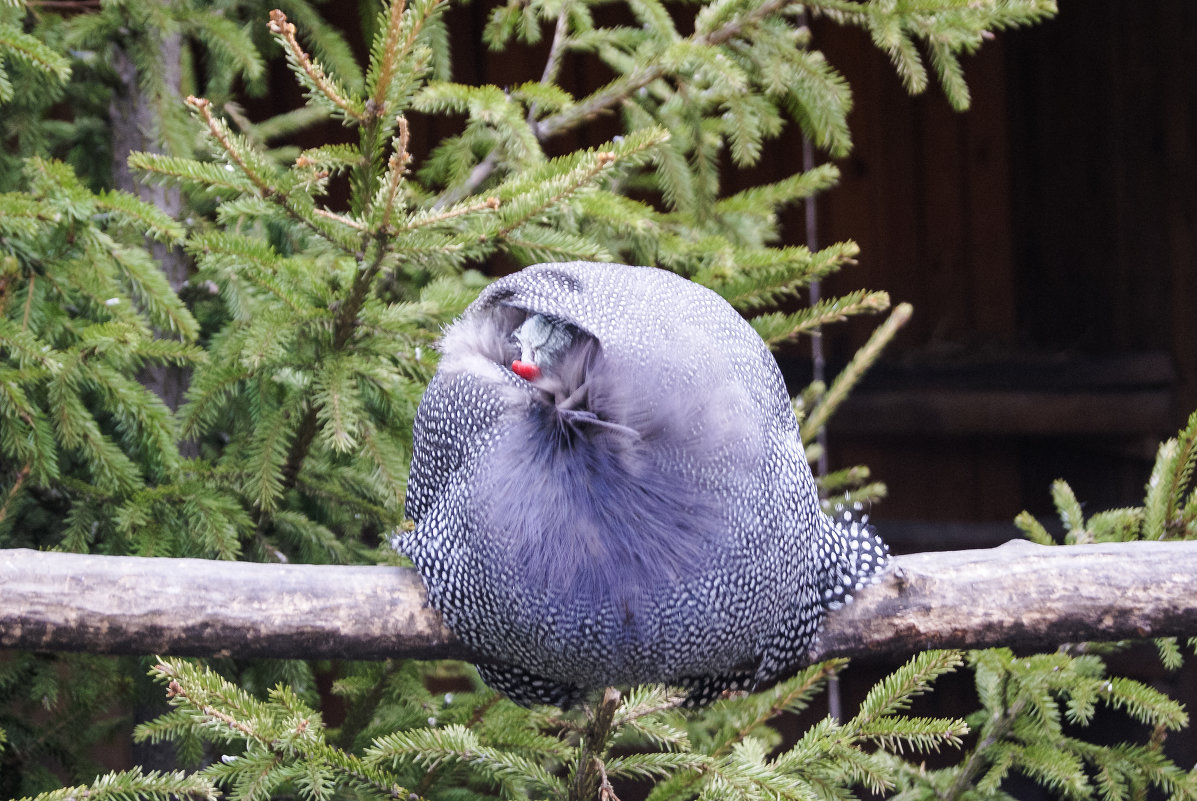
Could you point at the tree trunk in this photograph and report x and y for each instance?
(136, 127)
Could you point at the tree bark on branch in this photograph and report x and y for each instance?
(1020, 595)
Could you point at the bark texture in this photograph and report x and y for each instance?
(198, 607)
(1020, 595)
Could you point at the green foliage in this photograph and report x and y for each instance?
(946, 30)
(81, 301)
(308, 325)
(18, 46)
(136, 783)
(474, 745)
(1169, 510)
(1032, 712)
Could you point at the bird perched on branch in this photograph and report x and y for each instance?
(608, 487)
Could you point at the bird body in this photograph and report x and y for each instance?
(608, 488)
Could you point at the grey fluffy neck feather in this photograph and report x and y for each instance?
(577, 491)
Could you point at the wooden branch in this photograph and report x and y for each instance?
(1021, 595)
(199, 607)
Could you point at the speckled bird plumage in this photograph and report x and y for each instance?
(637, 508)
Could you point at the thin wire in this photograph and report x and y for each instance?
(818, 359)
(835, 706)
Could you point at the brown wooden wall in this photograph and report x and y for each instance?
(1048, 240)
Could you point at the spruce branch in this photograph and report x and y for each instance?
(605, 791)
(391, 53)
(552, 64)
(341, 219)
(948, 29)
(344, 325)
(478, 175)
(623, 87)
(850, 375)
(789, 696)
(135, 783)
(22, 476)
(221, 134)
(397, 55)
(175, 692)
(282, 726)
(427, 780)
(437, 216)
(1025, 698)
(209, 176)
(253, 169)
(25, 47)
(602, 159)
(614, 93)
(589, 773)
(776, 327)
(285, 31)
(29, 293)
(396, 170)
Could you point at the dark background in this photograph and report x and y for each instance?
(1048, 241)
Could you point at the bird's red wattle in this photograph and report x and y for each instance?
(525, 370)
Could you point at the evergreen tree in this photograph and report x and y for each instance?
(308, 326)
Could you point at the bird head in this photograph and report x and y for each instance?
(541, 341)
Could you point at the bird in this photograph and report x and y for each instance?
(608, 488)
